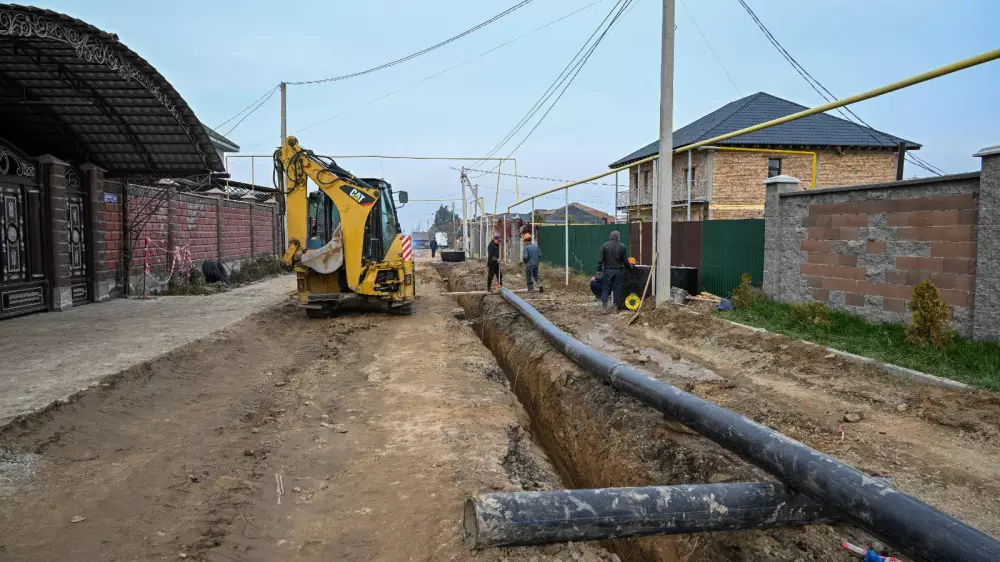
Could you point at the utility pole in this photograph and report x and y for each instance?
(453, 223)
(664, 184)
(465, 212)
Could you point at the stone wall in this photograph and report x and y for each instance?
(863, 249)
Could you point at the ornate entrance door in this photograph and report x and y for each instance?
(76, 209)
(23, 283)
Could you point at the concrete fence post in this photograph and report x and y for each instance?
(253, 230)
(171, 215)
(986, 300)
(773, 248)
(218, 226)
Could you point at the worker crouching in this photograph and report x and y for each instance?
(530, 256)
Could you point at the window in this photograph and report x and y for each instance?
(773, 167)
(645, 179)
(389, 226)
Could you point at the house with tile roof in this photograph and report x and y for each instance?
(578, 214)
(726, 179)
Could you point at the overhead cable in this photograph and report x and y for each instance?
(709, 45)
(255, 102)
(412, 56)
(251, 112)
(438, 73)
(828, 96)
(532, 177)
(568, 73)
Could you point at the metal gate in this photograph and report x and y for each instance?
(76, 208)
(23, 282)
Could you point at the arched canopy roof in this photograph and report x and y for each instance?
(73, 91)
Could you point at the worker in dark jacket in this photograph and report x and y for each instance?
(493, 262)
(434, 246)
(612, 260)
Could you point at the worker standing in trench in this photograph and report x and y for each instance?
(493, 262)
(612, 260)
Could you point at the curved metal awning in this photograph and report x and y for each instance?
(73, 91)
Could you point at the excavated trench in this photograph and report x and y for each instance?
(597, 437)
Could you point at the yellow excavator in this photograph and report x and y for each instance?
(346, 248)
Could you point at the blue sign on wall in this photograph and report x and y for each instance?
(110, 197)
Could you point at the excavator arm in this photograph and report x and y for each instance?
(353, 198)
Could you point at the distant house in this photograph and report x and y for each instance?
(421, 240)
(578, 214)
(727, 177)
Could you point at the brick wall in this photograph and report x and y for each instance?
(194, 222)
(737, 191)
(264, 225)
(190, 221)
(864, 249)
(236, 229)
(112, 236)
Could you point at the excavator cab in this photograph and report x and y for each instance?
(345, 241)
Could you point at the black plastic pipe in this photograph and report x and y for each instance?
(523, 518)
(913, 527)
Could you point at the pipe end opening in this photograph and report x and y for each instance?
(470, 524)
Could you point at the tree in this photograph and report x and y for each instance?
(444, 220)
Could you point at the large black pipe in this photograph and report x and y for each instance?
(523, 518)
(913, 527)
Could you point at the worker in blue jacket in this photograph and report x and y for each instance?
(530, 256)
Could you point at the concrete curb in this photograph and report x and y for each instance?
(896, 370)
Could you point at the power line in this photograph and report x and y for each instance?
(439, 73)
(251, 112)
(255, 102)
(577, 73)
(548, 91)
(411, 56)
(574, 64)
(828, 96)
(716, 55)
(536, 177)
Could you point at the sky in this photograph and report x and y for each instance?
(221, 55)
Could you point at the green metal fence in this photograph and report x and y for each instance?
(731, 248)
(584, 242)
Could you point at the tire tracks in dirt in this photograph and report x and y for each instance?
(375, 428)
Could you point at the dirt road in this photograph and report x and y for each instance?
(280, 438)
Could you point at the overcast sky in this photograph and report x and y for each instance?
(221, 55)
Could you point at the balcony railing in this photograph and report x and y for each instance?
(626, 199)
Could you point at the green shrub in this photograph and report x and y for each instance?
(812, 312)
(931, 316)
(746, 295)
(269, 265)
